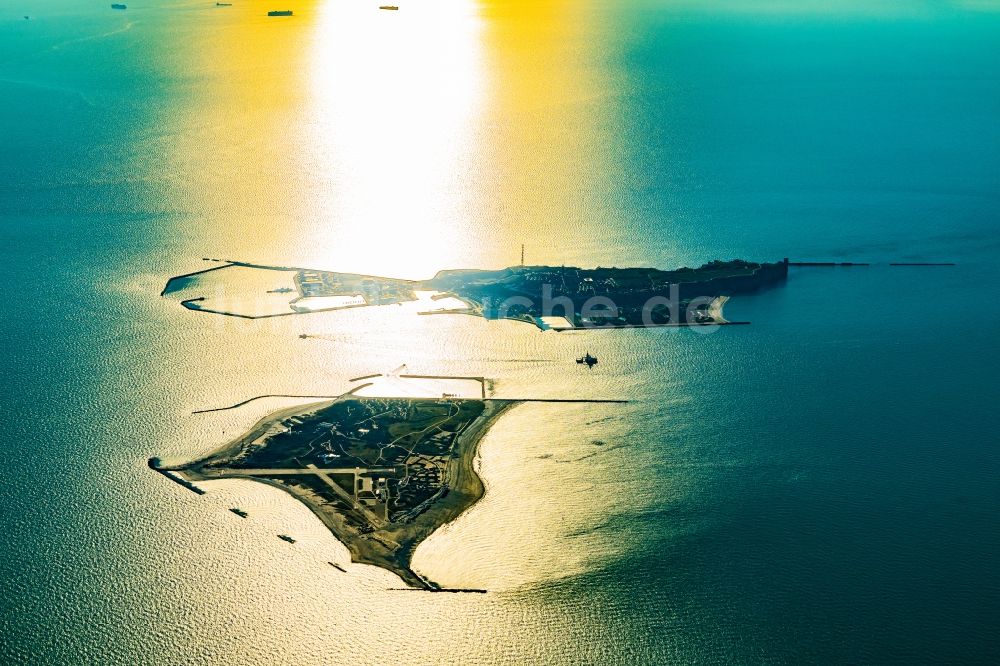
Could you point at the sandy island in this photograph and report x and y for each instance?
(423, 476)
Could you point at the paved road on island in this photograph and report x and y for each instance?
(324, 474)
(233, 471)
(364, 510)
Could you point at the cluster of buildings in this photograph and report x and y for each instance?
(319, 283)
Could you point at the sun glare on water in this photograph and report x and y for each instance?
(396, 95)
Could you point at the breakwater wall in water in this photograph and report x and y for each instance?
(154, 464)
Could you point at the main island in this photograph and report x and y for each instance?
(550, 297)
(381, 473)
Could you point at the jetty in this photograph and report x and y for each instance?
(830, 264)
(453, 590)
(922, 263)
(827, 263)
(154, 464)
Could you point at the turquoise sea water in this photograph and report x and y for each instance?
(820, 486)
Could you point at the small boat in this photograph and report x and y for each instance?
(280, 12)
(389, 7)
(587, 359)
(285, 537)
(239, 512)
(118, 5)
